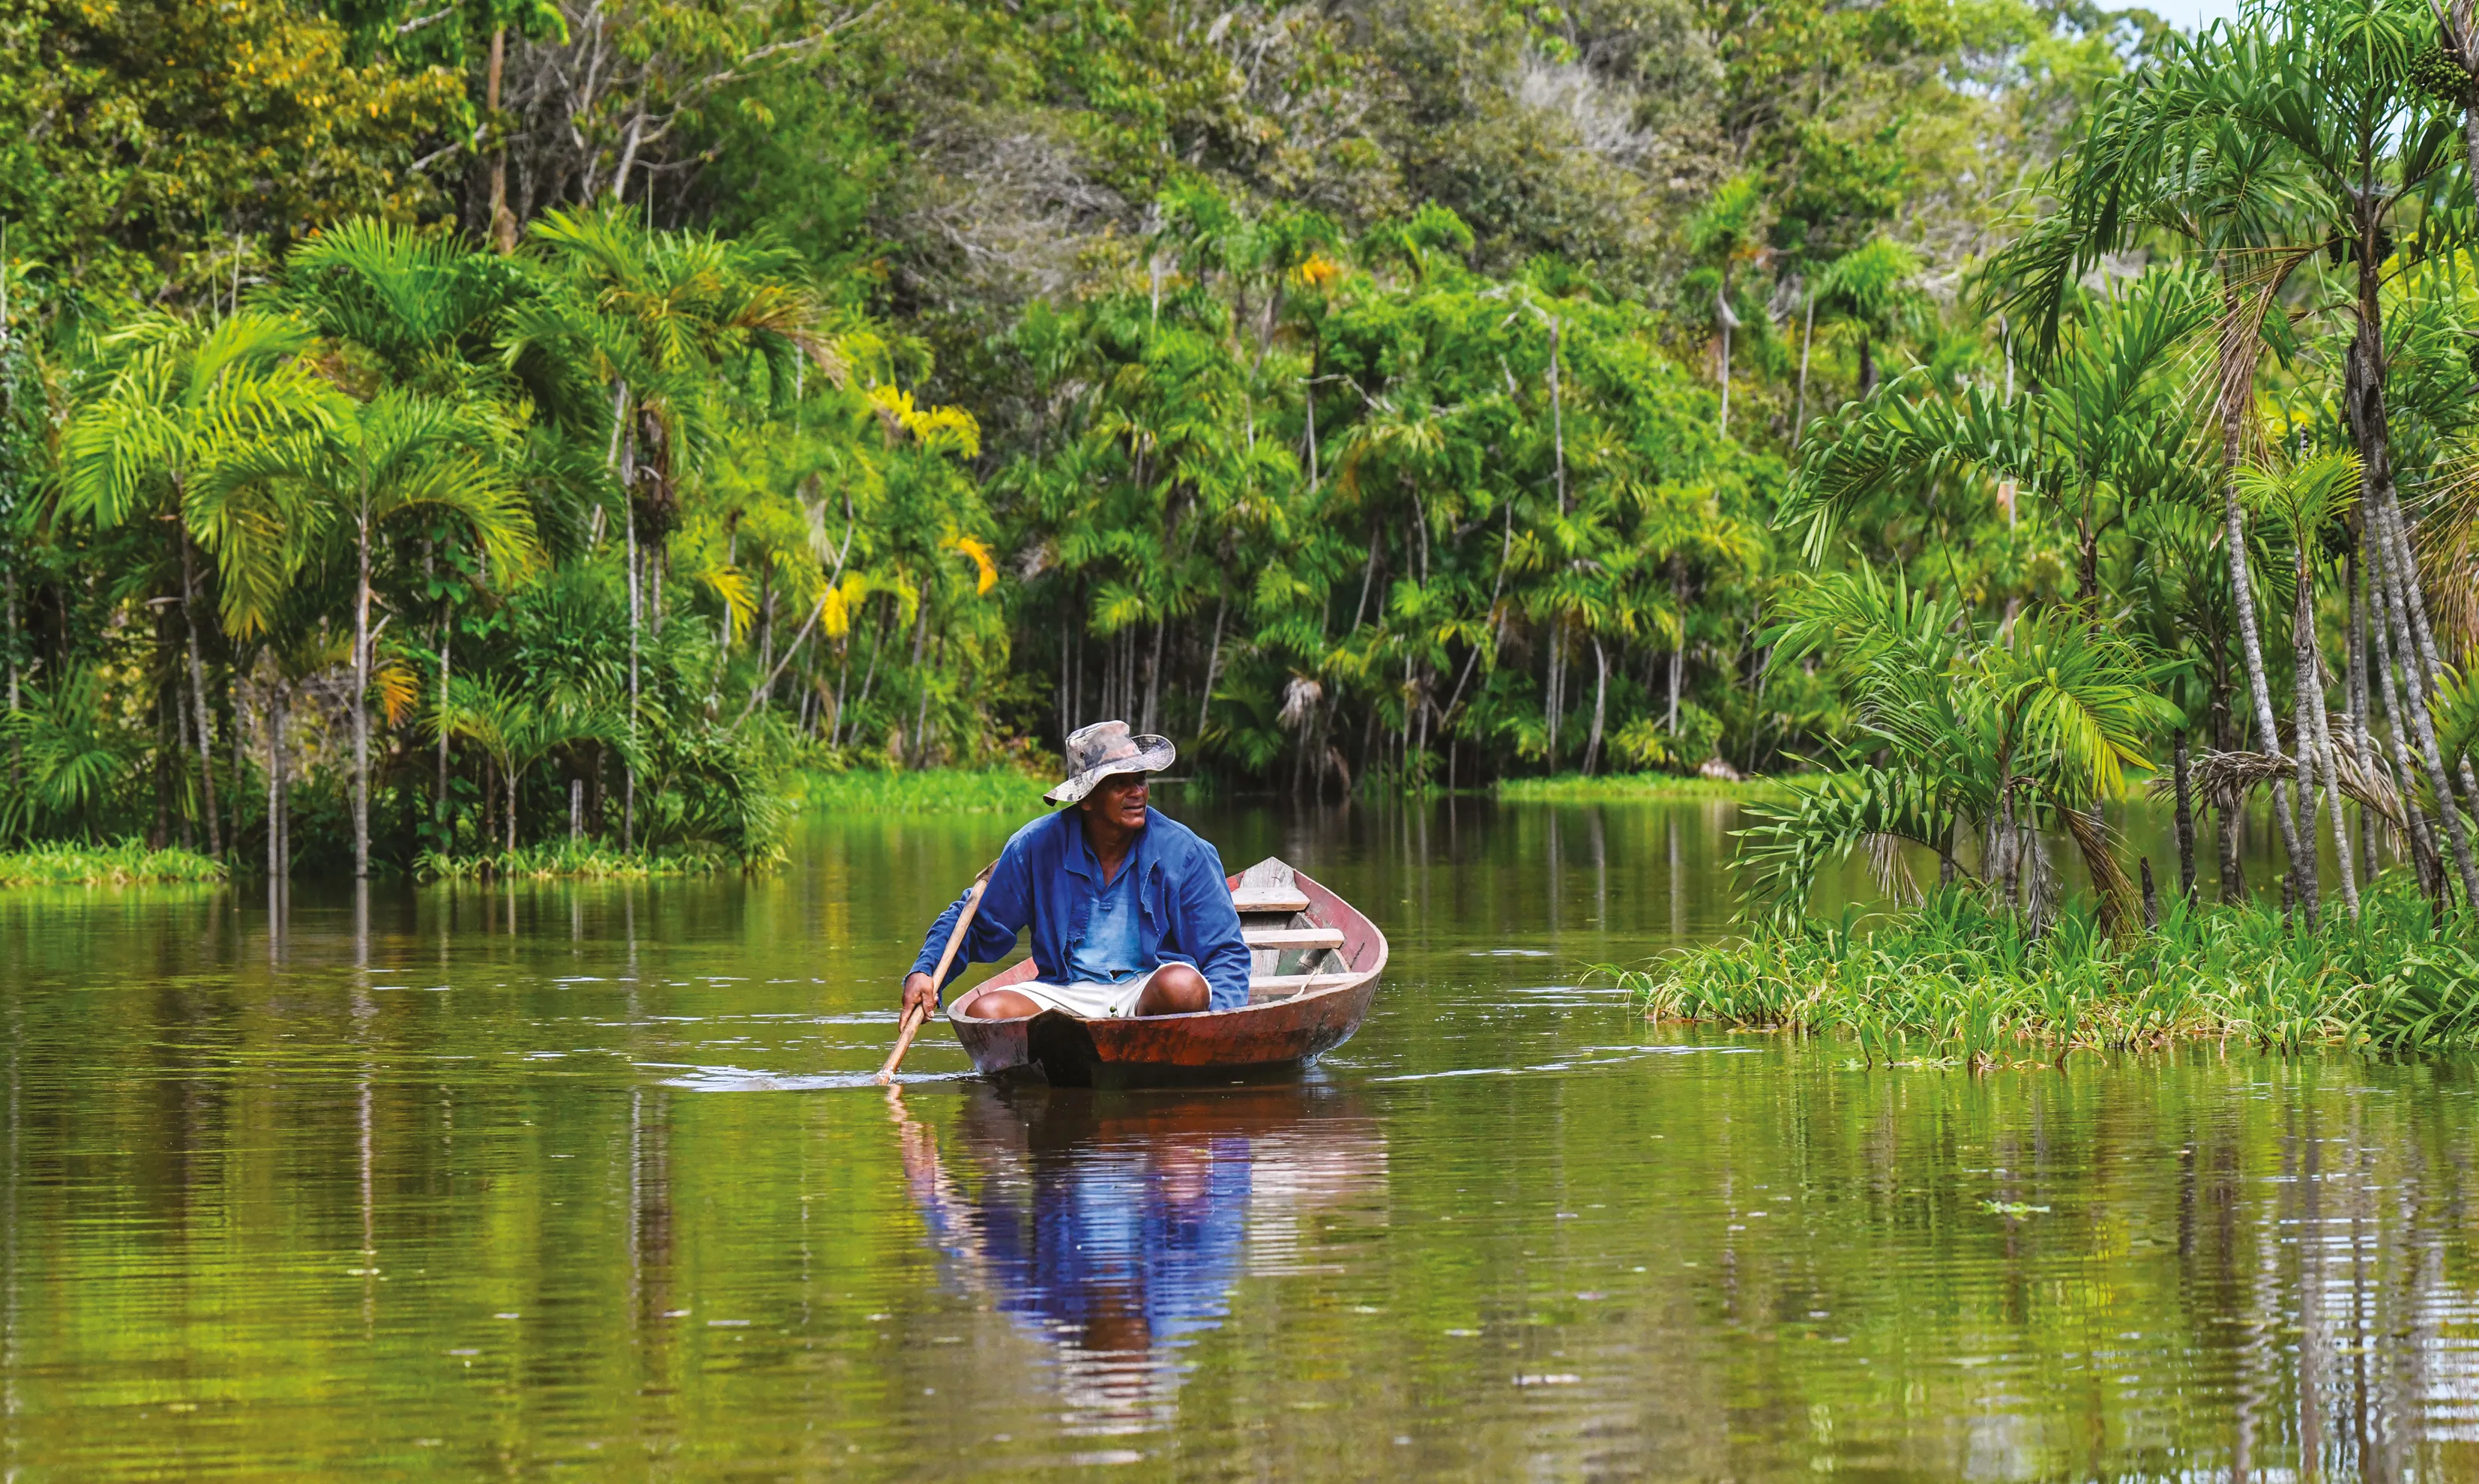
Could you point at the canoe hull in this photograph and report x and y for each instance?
(1254, 1043)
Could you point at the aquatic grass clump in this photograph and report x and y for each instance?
(569, 860)
(1953, 978)
(1627, 787)
(998, 790)
(126, 863)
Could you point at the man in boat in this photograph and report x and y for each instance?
(1130, 912)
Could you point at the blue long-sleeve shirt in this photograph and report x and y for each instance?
(1046, 882)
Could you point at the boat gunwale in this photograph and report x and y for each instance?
(1351, 980)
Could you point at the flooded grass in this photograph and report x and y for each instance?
(568, 859)
(127, 863)
(999, 790)
(1955, 981)
(1628, 787)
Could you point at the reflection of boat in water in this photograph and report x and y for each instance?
(1114, 1227)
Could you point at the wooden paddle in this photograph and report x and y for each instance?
(914, 1019)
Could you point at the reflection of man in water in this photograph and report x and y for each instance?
(1111, 1248)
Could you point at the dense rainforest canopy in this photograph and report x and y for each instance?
(431, 432)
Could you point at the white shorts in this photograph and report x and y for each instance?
(1086, 1000)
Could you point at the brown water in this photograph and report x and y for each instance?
(584, 1181)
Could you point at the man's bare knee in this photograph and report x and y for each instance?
(1177, 989)
(1001, 1005)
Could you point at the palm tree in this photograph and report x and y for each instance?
(374, 462)
(2264, 145)
(69, 754)
(519, 725)
(1874, 289)
(1725, 234)
(2100, 434)
(179, 399)
(2304, 498)
(663, 317)
(1995, 735)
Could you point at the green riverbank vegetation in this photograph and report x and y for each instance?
(498, 429)
(456, 444)
(2237, 388)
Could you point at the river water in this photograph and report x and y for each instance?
(555, 1180)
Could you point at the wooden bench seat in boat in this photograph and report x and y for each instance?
(1282, 986)
(1252, 899)
(1279, 938)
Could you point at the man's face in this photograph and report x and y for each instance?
(1119, 799)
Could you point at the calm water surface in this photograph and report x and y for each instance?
(585, 1181)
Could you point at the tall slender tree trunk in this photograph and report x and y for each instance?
(2355, 573)
(2185, 816)
(8, 579)
(1807, 338)
(1153, 676)
(1678, 651)
(2237, 380)
(869, 677)
(1212, 662)
(1729, 321)
(284, 782)
(1557, 650)
(2385, 674)
(920, 675)
(2314, 737)
(447, 641)
(623, 460)
(1557, 413)
(2461, 39)
(1600, 705)
(2424, 757)
(2363, 396)
(362, 690)
(167, 715)
(1367, 577)
(274, 782)
(503, 222)
(765, 633)
(206, 730)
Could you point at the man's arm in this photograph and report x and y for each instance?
(1005, 907)
(1221, 955)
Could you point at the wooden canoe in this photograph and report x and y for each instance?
(1313, 966)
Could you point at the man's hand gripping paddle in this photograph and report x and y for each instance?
(915, 1019)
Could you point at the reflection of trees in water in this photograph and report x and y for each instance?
(1114, 1227)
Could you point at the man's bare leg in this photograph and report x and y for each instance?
(1000, 1005)
(1176, 989)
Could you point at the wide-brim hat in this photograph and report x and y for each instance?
(1094, 753)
